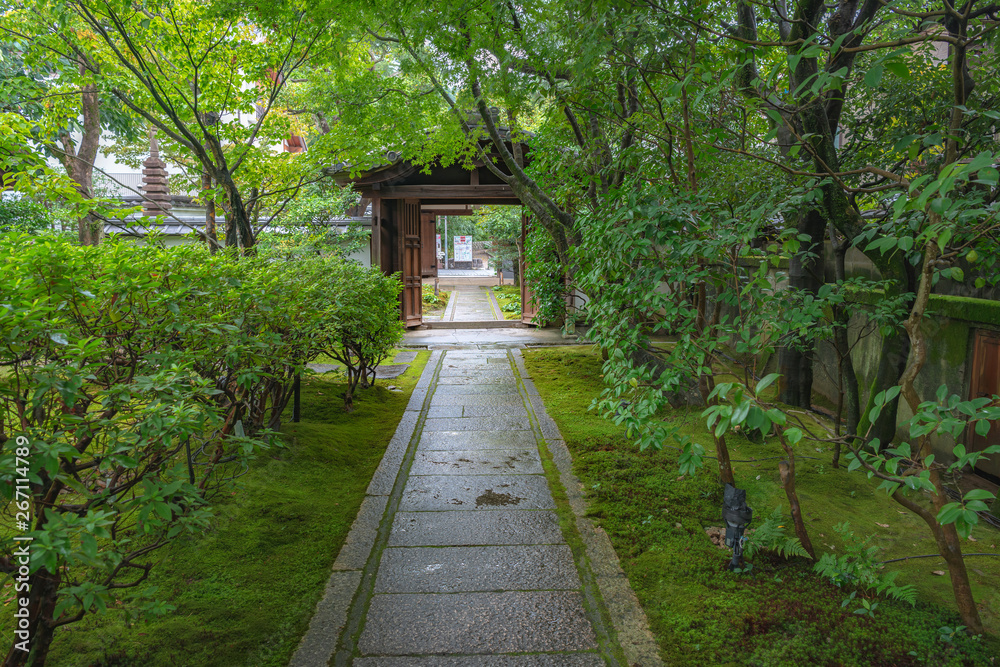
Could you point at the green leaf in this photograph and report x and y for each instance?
(793, 435)
(873, 76)
(988, 176)
(765, 382)
(978, 494)
(982, 427)
(898, 68)
(943, 239)
(950, 513)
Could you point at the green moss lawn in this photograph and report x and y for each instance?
(245, 591)
(781, 613)
(433, 305)
(509, 298)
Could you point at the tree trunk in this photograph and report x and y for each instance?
(849, 396)
(44, 592)
(805, 274)
(946, 535)
(239, 232)
(79, 160)
(211, 235)
(706, 383)
(787, 472)
(950, 547)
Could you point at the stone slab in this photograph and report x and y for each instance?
(522, 621)
(508, 410)
(467, 379)
(494, 400)
(405, 356)
(456, 528)
(524, 461)
(475, 356)
(446, 411)
(417, 399)
(475, 440)
(385, 475)
(535, 660)
(383, 372)
(499, 423)
(389, 371)
(435, 493)
(477, 370)
(325, 368)
(361, 538)
(444, 389)
(470, 569)
(320, 640)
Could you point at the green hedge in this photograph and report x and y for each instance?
(135, 383)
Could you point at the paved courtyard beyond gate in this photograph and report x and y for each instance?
(461, 554)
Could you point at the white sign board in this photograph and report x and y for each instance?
(463, 248)
(438, 246)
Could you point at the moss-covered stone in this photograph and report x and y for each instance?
(966, 308)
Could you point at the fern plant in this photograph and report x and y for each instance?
(770, 536)
(860, 567)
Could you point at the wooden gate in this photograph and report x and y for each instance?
(529, 304)
(428, 242)
(409, 228)
(984, 381)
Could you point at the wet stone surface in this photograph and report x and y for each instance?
(457, 528)
(445, 411)
(473, 440)
(477, 379)
(491, 410)
(511, 400)
(498, 423)
(520, 621)
(470, 492)
(469, 569)
(536, 660)
(452, 389)
(522, 461)
(478, 370)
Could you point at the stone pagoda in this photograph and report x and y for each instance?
(155, 190)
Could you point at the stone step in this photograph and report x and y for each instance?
(482, 324)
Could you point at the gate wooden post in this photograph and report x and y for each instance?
(529, 304)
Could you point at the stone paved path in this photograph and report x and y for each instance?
(458, 558)
(470, 303)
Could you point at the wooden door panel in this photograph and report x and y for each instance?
(428, 251)
(984, 381)
(412, 279)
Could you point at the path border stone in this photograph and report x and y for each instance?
(494, 304)
(320, 641)
(626, 614)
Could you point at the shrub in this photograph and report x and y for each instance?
(21, 214)
(136, 382)
(364, 321)
(99, 405)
